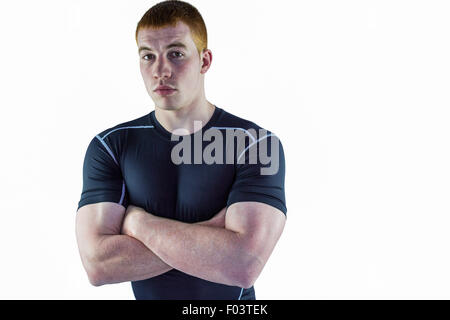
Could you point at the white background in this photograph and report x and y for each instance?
(357, 91)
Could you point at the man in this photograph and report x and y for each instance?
(179, 229)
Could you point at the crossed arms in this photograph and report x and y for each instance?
(118, 244)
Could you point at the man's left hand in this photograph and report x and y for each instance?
(131, 220)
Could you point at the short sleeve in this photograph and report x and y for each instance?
(102, 177)
(261, 180)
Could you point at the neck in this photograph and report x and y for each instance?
(184, 117)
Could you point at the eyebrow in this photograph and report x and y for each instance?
(173, 44)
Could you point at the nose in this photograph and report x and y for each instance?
(161, 68)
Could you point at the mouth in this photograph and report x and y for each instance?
(165, 92)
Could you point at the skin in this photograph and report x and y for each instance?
(111, 257)
(118, 244)
(234, 255)
(180, 68)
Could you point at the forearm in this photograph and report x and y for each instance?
(210, 253)
(121, 258)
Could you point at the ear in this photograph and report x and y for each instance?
(205, 60)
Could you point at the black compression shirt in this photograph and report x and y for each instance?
(132, 163)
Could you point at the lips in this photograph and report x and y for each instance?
(164, 88)
(165, 92)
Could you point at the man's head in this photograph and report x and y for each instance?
(172, 43)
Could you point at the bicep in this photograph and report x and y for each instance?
(259, 225)
(102, 176)
(94, 221)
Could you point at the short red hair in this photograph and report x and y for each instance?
(169, 13)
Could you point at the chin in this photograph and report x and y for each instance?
(166, 107)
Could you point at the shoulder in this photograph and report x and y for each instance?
(141, 122)
(114, 138)
(229, 121)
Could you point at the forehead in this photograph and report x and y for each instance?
(159, 37)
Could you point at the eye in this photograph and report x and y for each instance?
(147, 55)
(175, 54)
(178, 54)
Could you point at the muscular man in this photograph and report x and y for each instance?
(170, 201)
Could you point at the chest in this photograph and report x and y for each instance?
(188, 192)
